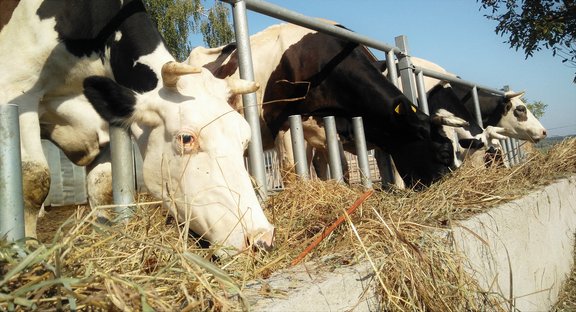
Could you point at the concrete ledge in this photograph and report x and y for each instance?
(523, 250)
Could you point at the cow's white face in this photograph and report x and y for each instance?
(519, 122)
(193, 143)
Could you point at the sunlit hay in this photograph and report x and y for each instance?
(136, 266)
(143, 264)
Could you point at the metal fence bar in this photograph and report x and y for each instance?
(255, 150)
(313, 23)
(405, 67)
(11, 192)
(298, 146)
(422, 98)
(391, 65)
(477, 111)
(449, 78)
(512, 151)
(520, 151)
(362, 152)
(333, 149)
(123, 190)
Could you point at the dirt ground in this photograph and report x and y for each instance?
(52, 220)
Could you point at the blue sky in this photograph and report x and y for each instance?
(457, 36)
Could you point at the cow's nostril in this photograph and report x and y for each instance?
(544, 133)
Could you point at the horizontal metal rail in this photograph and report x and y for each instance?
(314, 23)
(290, 16)
(450, 78)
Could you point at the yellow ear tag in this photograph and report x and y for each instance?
(413, 108)
(397, 109)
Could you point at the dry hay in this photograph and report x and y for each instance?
(150, 264)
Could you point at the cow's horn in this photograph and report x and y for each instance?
(172, 71)
(241, 86)
(511, 94)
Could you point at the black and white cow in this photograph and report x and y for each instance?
(502, 116)
(508, 112)
(58, 55)
(315, 75)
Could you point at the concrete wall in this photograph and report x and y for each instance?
(523, 249)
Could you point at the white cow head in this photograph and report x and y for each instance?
(192, 143)
(518, 121)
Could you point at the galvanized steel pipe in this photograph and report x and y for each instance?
(450, 78)
(123, 189)
(298, 146)
(11, 192)
(361, 152)
(313, 23)
(422, 97)
(406, 70)
(477, 111)
(333, 149)
(391, 65)
(250, 102)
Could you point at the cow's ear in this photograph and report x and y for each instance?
(402, 108)
(112, 101)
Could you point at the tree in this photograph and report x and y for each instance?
(537, 108)
(535, 24)
(216, 30)
(177, 19)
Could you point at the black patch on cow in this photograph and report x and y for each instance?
(87, 27)
(492, 106)
(520, 112)
(220, 69)
(112, 101)
(471, 143)
(441, 97)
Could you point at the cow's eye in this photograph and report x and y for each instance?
(185, 142)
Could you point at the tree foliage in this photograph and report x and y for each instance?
(535, 24)
(178, 19)
(537, 108)
(216, 29)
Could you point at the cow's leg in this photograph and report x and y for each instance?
(99, 184)
(283, 144)
(35, 171)
(321, 163)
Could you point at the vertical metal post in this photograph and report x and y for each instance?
(391, 64)
(405, 67)
(255, 151)
(511, 152)
(333, 149)
(520, 151)
(298, 147)
(477, 111)
(422, 99)
(362, 152)
(505, 152)
(11, 193)
(123, 190)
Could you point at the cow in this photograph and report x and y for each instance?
(509, 113)
(72, 64)
(312, 74)
(502, 116)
